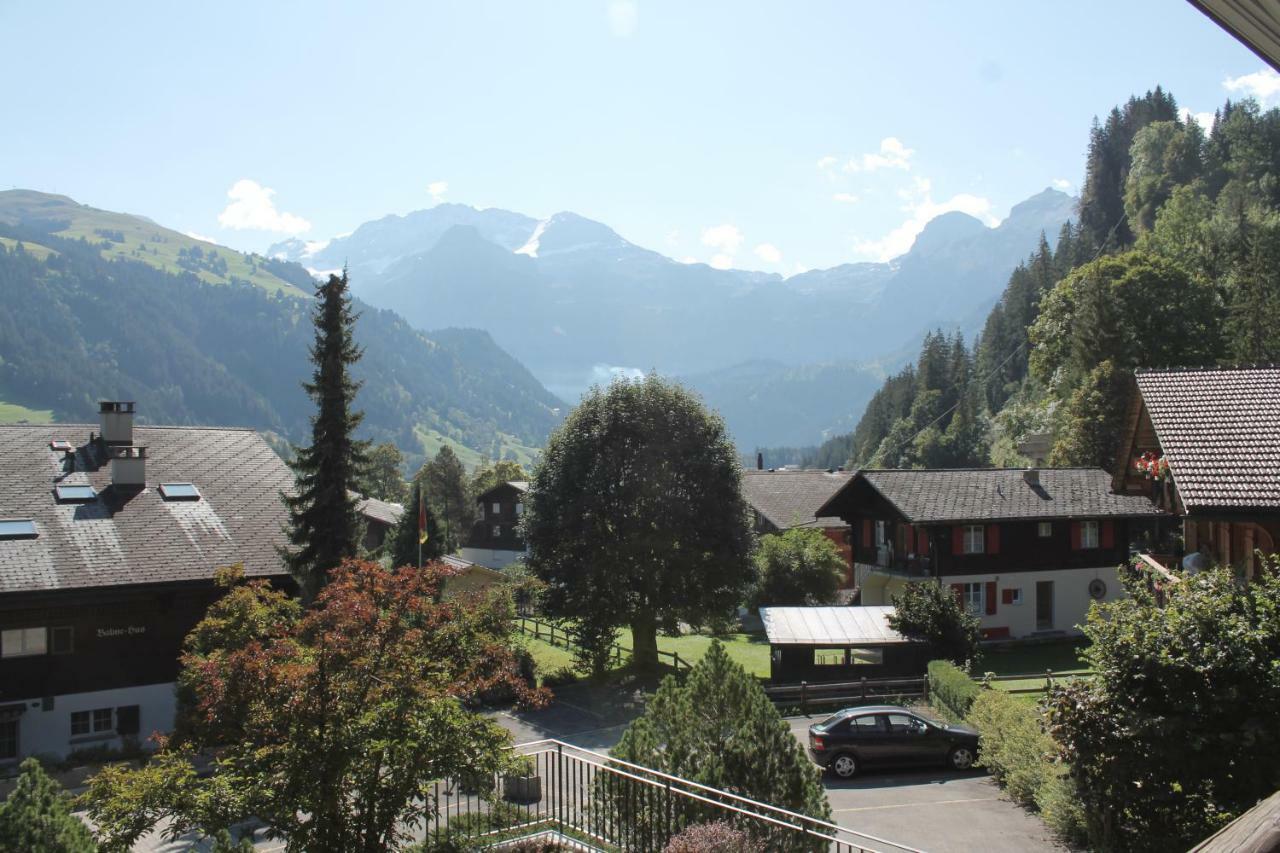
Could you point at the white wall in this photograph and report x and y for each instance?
(491, 557)
(49, 732)
(1070, 597)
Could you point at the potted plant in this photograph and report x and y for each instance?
(522, 784)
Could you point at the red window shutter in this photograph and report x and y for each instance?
(958, 590)
(1108, 534)
(957, 540)
(867, 540)
(1075, 536)
(1006, 596)
(908, 537)
(991, 597)
(922, 546)
(993, 539)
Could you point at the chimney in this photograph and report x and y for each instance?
(1032, 477)
(759, 461)
(128, 466)
(116, 417)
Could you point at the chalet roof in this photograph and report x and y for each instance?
(124, 538)
(942, 496)
(383, 512)
(791, 498)
(837, 626)
(1219, 430)
(520, 486)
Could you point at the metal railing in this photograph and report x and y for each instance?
(618, 654)
(804, 694)
(610, 804)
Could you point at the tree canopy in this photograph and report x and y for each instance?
(636, 515)
(444, 482)
(798, 567)
(36, 817)
(926, 611)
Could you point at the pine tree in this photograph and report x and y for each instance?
(324, 526)
(37, 818)
(444, 480)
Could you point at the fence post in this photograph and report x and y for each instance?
(804, 696)
(864, 688)
(924, 689)
(675, 656)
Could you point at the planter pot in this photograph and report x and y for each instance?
(522, 789)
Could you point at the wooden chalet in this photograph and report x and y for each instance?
(787, 498)
(495, 541)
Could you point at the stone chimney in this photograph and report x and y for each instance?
(128, 465)
(1032, 477)
(116, 417)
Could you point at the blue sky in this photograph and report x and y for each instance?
(775, 136)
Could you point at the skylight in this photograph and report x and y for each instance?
(61, 445)
(17, 528)
(75, 494)
(179, 492)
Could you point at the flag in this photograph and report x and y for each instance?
(422, 518)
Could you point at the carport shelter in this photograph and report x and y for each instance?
(838, 644)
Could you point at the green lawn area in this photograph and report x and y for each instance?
(750, 650)
(1059, 656)
(12, 413)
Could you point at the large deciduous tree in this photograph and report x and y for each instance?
(324, 526)
(1179, 731)
(330, 723)
(798, 567)
(488, 476)
(383, 479)
(926, 611)
(636, 515)
(444, 481)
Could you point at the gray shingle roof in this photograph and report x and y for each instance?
(139, 538)
(789, 499)
(997, 494)
(382, 511)
(1220, 433)
(837, 626)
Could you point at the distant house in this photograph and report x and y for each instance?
(379, 517)
(109, 538)
(1205, 446)
(495, 540)
(1024, 550)
(787, 498)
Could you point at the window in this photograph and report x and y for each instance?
(61, 640)
(75, 494)
(497, 531)
(1088, 534)
(866, 724)
(973, 598)
(519, 509)
(17, 528)
(90, 722)
(904, 724)
(881, 531)
(21, 642)
(179, 492)
(8, 739)
(828, 657)
(866, 656)
(1014, 595)
(61, 445)
(975, 539)
(1044, 529)
(497, 508)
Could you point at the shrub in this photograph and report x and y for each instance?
(37, 816)
(557, 677)
(951, 690)
(1060, 806)
(1013, 745)
(714, 837)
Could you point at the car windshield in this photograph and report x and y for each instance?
(835, 718)
(932, 722)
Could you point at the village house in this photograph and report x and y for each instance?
(379, 517)
(495, 541)
(786, 498)
(1026, 551)
(110, 536)
(1204, 445)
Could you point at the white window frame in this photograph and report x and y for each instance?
(975, 539)
(1044, 529)
(1015, 596)
(882, 532)
(975, 598)
(1090, 534)
(93, 721)
(24, 642)
(497, 508)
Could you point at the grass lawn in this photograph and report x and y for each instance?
(12, 413)
(750, 650)
(1059, 656)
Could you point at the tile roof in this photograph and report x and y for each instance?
(812, 626)
(137, 538)
(997, 494)
(382, 511)
(791, 498)
(1219, 430)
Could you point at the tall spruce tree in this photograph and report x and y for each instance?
(324, 526)
(402, 543)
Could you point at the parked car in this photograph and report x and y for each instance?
(888, 736)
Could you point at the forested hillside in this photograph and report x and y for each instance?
(1174, 260)
(77, 326)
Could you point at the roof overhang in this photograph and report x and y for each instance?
(1254, 23)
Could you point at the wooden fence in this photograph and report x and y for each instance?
(1048, 676)
(804, 695)
(556, 635)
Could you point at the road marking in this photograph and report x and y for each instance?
(915, 805)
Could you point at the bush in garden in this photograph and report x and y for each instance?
(715, 837)
(951, 690)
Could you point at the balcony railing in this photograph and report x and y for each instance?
(591, 801)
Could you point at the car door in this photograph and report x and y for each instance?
(907, 741)
(865, 735)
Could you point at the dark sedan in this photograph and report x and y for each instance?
(888, 736)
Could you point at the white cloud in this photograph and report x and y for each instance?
(892, 155)
(1205, 120)
(251, 208)
(768, 253)
(1263, 85)
(1061, 184)
(845, 198)
(611, 372)
(437, 190)
(673, 237)
(722, 261)
(727, 238)
(623, 18)
(920, 207)
(825, 164)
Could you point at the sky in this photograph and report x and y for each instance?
(775, 136)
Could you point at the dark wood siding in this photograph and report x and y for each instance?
(793, 664)
(1022, 549)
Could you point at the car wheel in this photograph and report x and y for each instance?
(961, 758)
(844, 766)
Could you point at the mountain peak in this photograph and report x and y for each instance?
(568, 232)
(946, 228)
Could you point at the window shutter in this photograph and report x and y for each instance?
(908, 538)
(1108, 534)
(991, 598)
(1006, 596)
(958, 590)
(127, 722)
(922, 547)
(868, 539)
(993, 539)
(957, 539)
(1075, 536)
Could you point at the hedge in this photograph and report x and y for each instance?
(951, 690)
